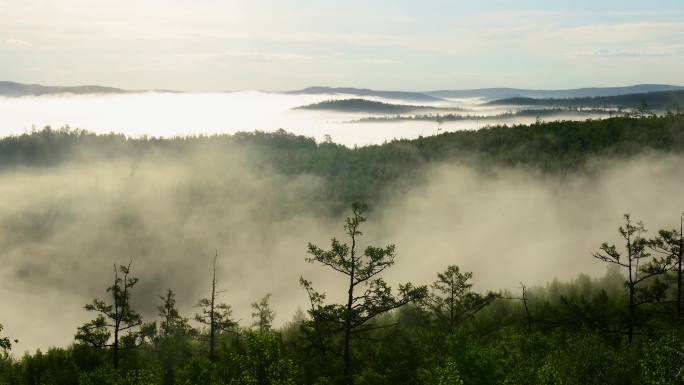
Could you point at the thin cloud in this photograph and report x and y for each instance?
(264, 55)
(380, 61)
(674, 50)
(624, 33)
(16, 43)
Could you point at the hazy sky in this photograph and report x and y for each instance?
(390, 44)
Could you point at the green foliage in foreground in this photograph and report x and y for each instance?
(367, 173)
(583, 332)
(589, 331)
(413, 352)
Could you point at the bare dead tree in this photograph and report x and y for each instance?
(524, 298)
(217, 316)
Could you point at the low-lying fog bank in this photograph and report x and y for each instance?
(62, 228)
(170, 114)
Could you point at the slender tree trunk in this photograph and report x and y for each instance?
(116, 348)
(452, 300)
(630, 323)
(679, 267)
(349, 379)
(212, 323)
(527, 310)
(117, 321)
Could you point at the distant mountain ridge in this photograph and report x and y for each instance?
(396, 95)
(13, 89)
(19, 89)
(660, 100)
(501, 93)
(490, 93)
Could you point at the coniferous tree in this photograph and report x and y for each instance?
(670, 244)
(263, 315)
(172, 344)
(114, 318)
(451, 299)
(638, 277)
(171, 320)
(367, 295)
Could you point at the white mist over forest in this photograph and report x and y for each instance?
(341, 193)
(169, 114)
(65, 226)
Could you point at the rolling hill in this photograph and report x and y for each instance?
(14, 89)
(369, 106)
(500, 93)
(655, 100)
(395, 95)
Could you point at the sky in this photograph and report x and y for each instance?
(211, 45)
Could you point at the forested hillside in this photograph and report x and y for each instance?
(623, 328)
(371, 107)
(665, 100)
(359, 173)
(360, 105)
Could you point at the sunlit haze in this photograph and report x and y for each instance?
(361, 192)
(211, 45)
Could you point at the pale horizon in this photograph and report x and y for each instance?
(286, 45)
(417, 90)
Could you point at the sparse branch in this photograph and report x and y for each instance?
(359, 270)
(217, 316)
(113, 318)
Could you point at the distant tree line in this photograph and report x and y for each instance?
(662, 100)
(526, 112)
(371, 106)
(364, 173)
(624, 328)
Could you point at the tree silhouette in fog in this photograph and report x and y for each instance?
(451, 299)
(115, 318)
(367, 294)
(215, 315)
(263, 315)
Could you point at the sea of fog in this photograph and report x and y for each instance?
(62, 227)
(172, 114)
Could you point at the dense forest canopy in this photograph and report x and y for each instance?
(358, 173)
(621, 328)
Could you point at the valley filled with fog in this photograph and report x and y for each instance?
(288, 192)
(63, 225)
(168, 114)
